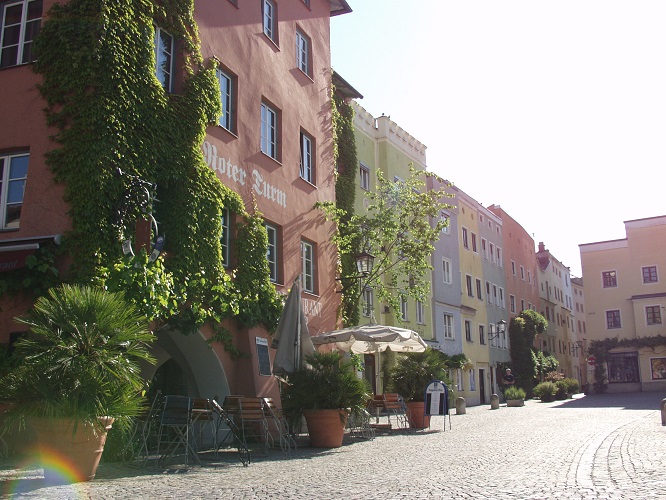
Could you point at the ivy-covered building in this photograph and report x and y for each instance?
(624, 302)
(199, 131)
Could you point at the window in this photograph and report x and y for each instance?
(478, 289)
(609, 279)
(303, 53)
(227, 96)
(464, 238)
(21, 21)
(447, 227)
(474, 243)
(225, 239)
(269, 131)
(420, 313)
(367, 301)
(653, 315)
(529, 277)
(512, 303)
(448, 326)
(495, 296)
(472, 381)
(14, 172)
(164, 48)
(404, 311)
(489, 297)
(470, 289)
(270, 20)
(622, 367)
(272, 253)
(365, 177)
(446, 271)
(649, 274)
(501, 298)
(492, 254)
(482, 335)
(613, 319)
(484, 248)
(468, 330)
(522, 273)
(499, 257)
(307, 166)
(308, 266)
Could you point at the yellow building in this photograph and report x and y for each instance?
(625, 298)
(381, 145)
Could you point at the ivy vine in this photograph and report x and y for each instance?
(114, 124)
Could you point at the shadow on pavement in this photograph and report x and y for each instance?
(627, 401)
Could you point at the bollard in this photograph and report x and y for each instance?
(663, 411)
(494, 402)
(461, 409)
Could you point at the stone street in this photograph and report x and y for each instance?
(597, 446)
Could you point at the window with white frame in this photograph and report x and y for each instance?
(448, 326)
(420, 313)
(365, 177)
(503, 339)
(225, 239)
(489, 296)
(501, 298)
(308, 266)
(21, 21)
(609, 279)
(472, 380)
(269, 131)
(468, 331)
(493, 258)
(464, 238)
(484, 248)
(649, 274)
(522, 273)
(474, 249)
(446, 229)
(303, 57)
(512, 303)
(227, 96)
(470, 289)
(164, 51)
(653, 315)
(499, 257)
(14, 170)
(482, 335)
(404, 310)
(495, 295)
(479, 294)
(446, 272)
(270, 20)
(367, 302)
(272, 254)
(307, 164)
(513, 268)
(613, 319)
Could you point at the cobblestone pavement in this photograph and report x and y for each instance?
(599, 446)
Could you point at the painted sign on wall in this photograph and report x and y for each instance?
(238, 175)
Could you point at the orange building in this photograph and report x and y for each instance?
(273, 145)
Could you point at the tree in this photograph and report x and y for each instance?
(402, 222)
(522, 332)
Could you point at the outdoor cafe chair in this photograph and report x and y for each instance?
(204, 417)
(253, 422)
(396, 406)
(277, 418)
(233, 431)
(176, 428)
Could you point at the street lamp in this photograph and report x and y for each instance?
(364, 264)
(577, 345)
(501, 328)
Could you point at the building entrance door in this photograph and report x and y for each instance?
(482, 385)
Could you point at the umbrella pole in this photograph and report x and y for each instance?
(297, 346)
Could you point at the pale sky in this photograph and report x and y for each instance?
(555, 110)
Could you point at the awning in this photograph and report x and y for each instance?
(13, 253)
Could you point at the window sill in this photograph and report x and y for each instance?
(271, 41)
(222, 127)
(271, 158)
(307, 182)
(312, 294)
(306, 75)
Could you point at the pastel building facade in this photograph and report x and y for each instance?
(273, 145)
(625, 299)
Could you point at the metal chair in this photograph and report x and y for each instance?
(233, 431)
(175, 428)
(276, 417)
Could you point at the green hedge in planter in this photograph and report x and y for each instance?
(545, 391)
(514, 393)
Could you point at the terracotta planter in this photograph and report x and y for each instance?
(326, 427)
(69, 457)
(417, 417)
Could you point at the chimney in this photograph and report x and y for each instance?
(542, 247)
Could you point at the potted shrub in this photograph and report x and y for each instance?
(78, 373)
(410, 377)
(573, 386)
(514, 396)
(546, 391)
(325, 390)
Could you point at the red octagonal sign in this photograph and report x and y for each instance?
(591, 360)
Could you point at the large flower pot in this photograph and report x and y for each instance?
(68, 456)
(515, 402)
(326, 427)
(417, 417)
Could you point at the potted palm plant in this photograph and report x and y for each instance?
(78, 373)
(410, 377)
(325, 391)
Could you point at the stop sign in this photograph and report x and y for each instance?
(591, 360)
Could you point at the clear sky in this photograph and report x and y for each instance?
(555, 110)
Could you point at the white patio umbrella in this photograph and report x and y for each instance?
(373, 339)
